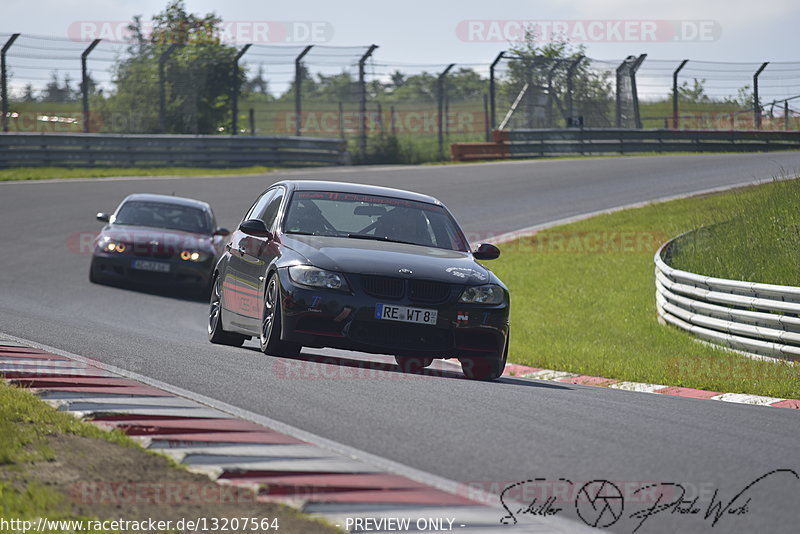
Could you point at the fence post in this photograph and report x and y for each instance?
(786, 114)
(298, 86)
(570, 75)
(492, 106)
(362, 103)
(486, 117)
(252, 117)
(756, 101)
(4, 79)
(634, 92)
(235, 92)
(341, 120)
(440, 107)
(162, 101)
(622, 66)
(675, 93)
(85, 84)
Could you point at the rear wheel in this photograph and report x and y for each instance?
(412, 364)
(271, 342)
(485, 368)
(215, 332)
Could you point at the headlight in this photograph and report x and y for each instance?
(193, 255)
(308, 275)
(488, 294)
(109, 245)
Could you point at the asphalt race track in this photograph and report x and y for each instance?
(472, 432)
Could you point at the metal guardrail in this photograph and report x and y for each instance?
(762, 319)
(592, 141)
(117, 150)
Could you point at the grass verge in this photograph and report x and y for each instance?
(584, 301)
(757, 242)
(54, 466)
(50, 173)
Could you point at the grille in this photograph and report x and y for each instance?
(428, 291)
(401, 336)
(146, 250)
(383, 287)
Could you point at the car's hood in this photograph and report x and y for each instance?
(388, 259)
(161, 237)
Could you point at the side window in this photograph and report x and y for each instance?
(260, 205)
(271, 211)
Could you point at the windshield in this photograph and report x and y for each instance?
(163, 215)
(372, 217)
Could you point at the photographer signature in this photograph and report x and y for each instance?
(600, 503)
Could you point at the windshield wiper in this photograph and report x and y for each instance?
(380, 238)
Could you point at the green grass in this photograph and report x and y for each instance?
(49, 173)
(25, 425)
(757, 242)
(584, 302)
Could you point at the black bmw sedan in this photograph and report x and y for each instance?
(160, 240)
(372, 269)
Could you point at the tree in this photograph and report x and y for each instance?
(198, 74)
(694, 94)
(27, 93)
(545, 69)
(56, 91)
(257, 85)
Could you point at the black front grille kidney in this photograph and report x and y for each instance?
(384, 287)
(396, 288)
(425, 291)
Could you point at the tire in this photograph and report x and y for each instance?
(412, 364)
(216, 334)
(489, 368)
(271, 316)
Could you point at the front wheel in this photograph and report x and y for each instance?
(271, 342)
(215, 332)
(485, 368)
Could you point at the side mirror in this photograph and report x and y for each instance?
(486, 251)
(222, 231)
(255, 227)
(103, 217)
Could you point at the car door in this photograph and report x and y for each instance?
(260, 251)
(240, 294)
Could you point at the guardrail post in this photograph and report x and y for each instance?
(570, 77)
(675, 93)
(298, 89)
(362, 103)
(235, 91)
(85, 84)
(492, 89)
(440, 107)
(756, 101)
(162, 100)
(4, 79)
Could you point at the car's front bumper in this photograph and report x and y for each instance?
(181, 274)
(325, 318)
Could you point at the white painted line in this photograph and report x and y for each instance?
(637, 386)
(742, 398)
(86, 403)
(548, 374)
(243, 451)
(203, 413)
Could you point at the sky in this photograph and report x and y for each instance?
(467, 32)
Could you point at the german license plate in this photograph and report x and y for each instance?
(145, 265)
(405, 314)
